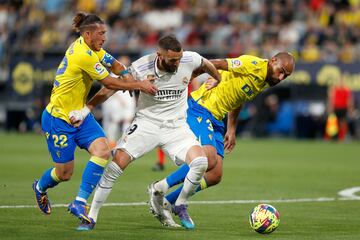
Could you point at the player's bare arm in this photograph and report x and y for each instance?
(220, 64)
(118, 84)
(209, 68)
(230, 136)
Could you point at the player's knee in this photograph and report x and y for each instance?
(65, 175)
(199, 164)
(103, 152)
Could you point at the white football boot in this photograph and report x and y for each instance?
(156, 207)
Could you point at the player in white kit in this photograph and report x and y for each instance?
(159, 121)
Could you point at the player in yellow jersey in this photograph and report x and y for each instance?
(243, 78)
(84, 62)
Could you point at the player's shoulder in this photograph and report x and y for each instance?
(189, 56)
(247, 61)
(252, 60)
(144, 63)
(79, 50)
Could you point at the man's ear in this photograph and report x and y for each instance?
(86, 33)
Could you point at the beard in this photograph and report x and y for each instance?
(168, 68)
(272, 82)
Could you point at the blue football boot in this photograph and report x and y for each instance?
(79, 210)
(86, 226)
(42, 199)
(185, 219)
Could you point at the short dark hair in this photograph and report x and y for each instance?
(170, 42)
(82, 20)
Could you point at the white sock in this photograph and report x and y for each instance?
(162, 186)
(197, 170)
(104, 187)
(80, 199)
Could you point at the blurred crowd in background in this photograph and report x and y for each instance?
(325, 31)
(312, 29)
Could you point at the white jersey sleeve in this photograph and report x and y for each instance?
(195, 59)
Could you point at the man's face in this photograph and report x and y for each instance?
(278, 70)
(169, 59)
(97, 36)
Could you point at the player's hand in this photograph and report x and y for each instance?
(211, 83)
(147, 86)
(229, 142)
(76, 117)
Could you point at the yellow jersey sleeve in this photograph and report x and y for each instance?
(245, 64)
(89, 62)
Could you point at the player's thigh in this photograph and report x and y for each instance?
(88, 132)
(60, 138)
(141, 137)
(201, 126)
(176, 142)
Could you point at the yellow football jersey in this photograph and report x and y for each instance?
(74, 77)
(244, 80)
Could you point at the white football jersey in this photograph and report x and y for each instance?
(170, 102)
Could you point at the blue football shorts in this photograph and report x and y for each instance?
(62, 138)
(207, 129)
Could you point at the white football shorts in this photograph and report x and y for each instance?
(174, 137)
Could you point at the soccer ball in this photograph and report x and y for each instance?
(264, 218)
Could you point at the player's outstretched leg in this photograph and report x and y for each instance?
(156, 207)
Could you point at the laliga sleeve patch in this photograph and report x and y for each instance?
(99, 68)
(236, 63)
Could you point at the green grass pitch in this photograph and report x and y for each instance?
(276, 170)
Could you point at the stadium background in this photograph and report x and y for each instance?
(322, 35)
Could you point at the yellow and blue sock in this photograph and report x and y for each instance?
(48, 180)
(178, 176)
(171, 197)
(90, 178)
